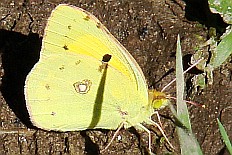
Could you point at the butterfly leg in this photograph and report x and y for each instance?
(162, 131)
(149, 136)
(158, 117)
(115, 134)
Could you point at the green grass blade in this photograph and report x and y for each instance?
(182, 110)
(224, 136)
(188, 142)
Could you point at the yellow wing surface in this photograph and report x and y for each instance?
(66, 90)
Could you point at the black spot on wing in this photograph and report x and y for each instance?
(106, 58)
(65, 47)
(98, 25)
(87, 18)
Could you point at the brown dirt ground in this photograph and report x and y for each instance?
(148, 29)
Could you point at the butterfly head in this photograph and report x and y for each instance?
(158, 100)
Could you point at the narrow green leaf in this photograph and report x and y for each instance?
(225, 136)
(182, 111)
(188, 142)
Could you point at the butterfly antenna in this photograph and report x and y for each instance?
(190, 102)
(115, 134)
(183, 72)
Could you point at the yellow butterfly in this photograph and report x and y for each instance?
(85, 79)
